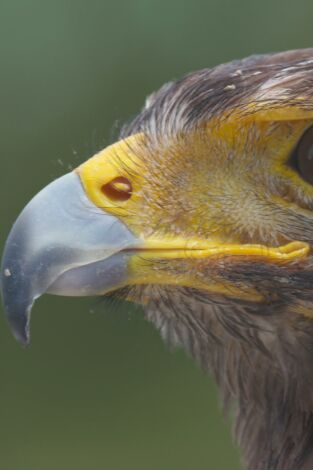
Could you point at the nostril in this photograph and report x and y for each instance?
(118, 189)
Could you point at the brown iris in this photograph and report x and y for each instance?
(302, 158)
(118, 189)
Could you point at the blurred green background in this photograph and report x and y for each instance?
(97, 389)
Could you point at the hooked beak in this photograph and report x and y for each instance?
(62, 244)
(65, 243)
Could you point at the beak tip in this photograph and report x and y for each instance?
(17, 307)
(19, 326)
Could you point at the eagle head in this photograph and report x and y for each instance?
(202, 212)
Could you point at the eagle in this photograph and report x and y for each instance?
(201, 212)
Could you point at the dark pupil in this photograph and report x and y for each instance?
(304, 156)
(119, 189)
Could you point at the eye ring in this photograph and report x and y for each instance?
(302, 156)
(118, 189)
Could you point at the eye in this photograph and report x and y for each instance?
(118, 189)
(302, 158)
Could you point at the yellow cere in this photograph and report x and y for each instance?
(117, 160)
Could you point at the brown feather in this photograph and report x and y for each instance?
(261, 356)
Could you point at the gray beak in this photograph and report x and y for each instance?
(62, 244)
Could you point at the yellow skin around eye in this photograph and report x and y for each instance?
(300, 119)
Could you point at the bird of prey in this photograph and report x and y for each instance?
(202, 212)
